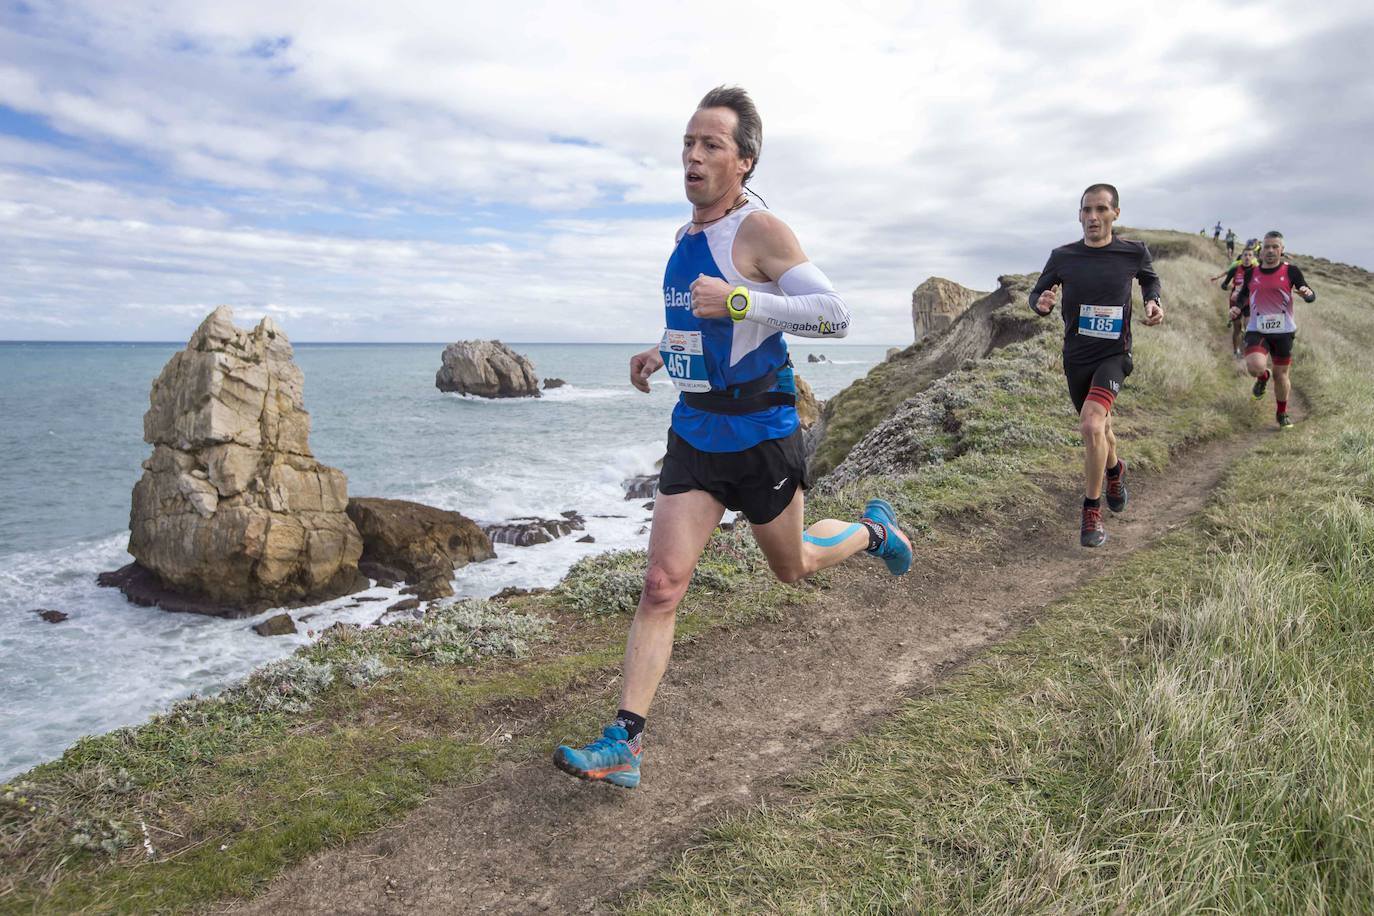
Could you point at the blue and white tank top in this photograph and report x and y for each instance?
(705, 354)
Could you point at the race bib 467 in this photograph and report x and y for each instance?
(683, 360)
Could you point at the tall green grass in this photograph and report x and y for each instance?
(1193, 734)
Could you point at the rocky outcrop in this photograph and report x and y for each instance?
(233, 513)
(486, 369)
(417, 544)
(525, 532)
(937, 303)
(808, 408)
(998, 319)
(50, 615)
(816, 358)
(551, 383)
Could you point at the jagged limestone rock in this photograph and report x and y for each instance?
(808, 408)
(233, 513)
(937, 303)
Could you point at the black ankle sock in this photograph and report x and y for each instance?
(631, 722)
(1092, 503)
(876, 533)
(1115, 470)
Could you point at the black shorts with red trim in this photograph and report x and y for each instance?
(1278, 346)
(1098, 381)
(758, 482)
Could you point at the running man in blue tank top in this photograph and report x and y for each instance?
(737, 280)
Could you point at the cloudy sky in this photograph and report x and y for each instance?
(430, 170)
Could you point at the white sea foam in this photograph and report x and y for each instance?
(568, 393)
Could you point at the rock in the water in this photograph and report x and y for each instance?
(278, 625)
(524, 532)
(233, 513)
(816, 358)
(937, 302)
(550, 383)
(50, 615)
(430, 589)
(406, 604)
(487, 369)
(415, 543)
(586, 539)
(641, 486)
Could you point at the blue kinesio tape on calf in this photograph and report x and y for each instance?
(834, 539)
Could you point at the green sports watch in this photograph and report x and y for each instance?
(738, 303)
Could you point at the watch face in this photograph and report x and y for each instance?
(739, 302)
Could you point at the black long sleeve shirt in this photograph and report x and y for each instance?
(1101, 278)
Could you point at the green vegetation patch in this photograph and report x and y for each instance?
(361, 726)
(1194, 733)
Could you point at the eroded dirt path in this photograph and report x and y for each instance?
(770, 699)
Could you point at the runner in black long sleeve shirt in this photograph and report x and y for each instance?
(1095, 274)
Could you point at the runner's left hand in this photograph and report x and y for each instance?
(1306, 293)
(708, 297)
(1154, 313)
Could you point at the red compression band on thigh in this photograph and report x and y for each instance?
(1102, 396)
(1257, 348)
(1283, 360)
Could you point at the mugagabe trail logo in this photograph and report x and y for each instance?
(819, 326)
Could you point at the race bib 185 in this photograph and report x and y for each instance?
(1101, 321)
(682, 357)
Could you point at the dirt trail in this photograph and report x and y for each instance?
(768, 700)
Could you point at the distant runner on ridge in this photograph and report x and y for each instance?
(737, 279)
(1266, 292)
(1095, 274)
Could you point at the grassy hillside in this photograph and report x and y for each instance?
(1193, 734)
(219, 795)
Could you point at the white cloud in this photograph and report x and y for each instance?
(421, 169)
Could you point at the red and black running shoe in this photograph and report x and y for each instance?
(1092, 534)
(1116, 489)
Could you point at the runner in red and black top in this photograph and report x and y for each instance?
(1095, 274)
(1266, 291)
(1230, 280)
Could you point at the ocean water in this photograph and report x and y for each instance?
(71, 444)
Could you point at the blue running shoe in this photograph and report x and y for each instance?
(611, 758)
(893, 551)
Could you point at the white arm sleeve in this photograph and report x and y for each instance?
(809, 306)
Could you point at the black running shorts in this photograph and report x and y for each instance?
(758, 481)
(1098, 381)
(1278, 346)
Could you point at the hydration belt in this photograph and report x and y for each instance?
(749, 397)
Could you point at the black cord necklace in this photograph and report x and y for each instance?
(743, 199)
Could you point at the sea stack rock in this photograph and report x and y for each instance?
(487, 369)
(936, 303)
(233, 513)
